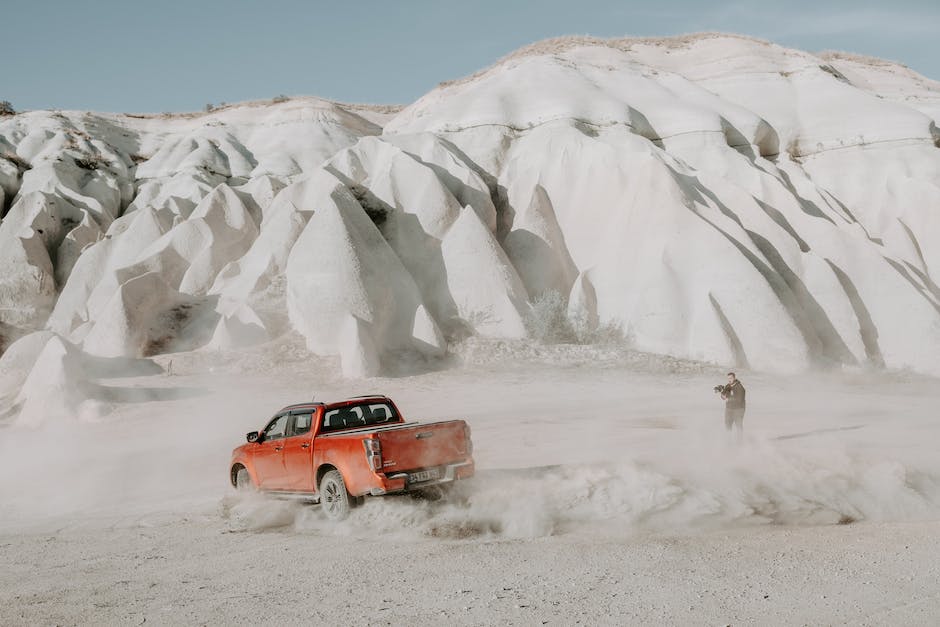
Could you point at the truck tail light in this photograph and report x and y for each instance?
(468, 443)
(373, 453)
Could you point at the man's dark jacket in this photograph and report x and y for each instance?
(734, 395)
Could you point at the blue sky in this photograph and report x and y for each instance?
(171, 55)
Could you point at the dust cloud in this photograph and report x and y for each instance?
(558, 448)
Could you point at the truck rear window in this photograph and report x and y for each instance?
(358, 416)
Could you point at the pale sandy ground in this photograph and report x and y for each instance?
(605, 496)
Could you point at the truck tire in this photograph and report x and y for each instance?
(242, 480)
(333, 496)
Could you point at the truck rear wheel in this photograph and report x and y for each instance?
(242, 479)
(334, 498)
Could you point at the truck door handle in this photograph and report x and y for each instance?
(278, 448)
(305, 445)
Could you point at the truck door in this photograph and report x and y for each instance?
(298, 452)
(269, 457)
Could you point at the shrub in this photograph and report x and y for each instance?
(547, 319)
(90, 163)
(6, 108)
(375, 207)
(607, 334)
(548, 322)
(280, 98)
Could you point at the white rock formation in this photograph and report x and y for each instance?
(238, 329)
(716, 197)
(486, 288)
(43, 379)
(341, 268)
(727, 206)
(536, 247)
(358, 352)
(18, 360)
(55, 387)
(134, 321)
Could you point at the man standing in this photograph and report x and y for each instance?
(733, 395)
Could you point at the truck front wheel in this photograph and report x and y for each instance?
(333, 496)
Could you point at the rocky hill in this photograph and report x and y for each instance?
(715, 197)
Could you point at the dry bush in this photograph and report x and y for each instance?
(548, 322)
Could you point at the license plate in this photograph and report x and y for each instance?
(424, 475)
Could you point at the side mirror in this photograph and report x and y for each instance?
(254, 436)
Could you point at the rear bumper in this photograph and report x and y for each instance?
(398, 482)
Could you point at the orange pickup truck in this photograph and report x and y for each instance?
(338, 453)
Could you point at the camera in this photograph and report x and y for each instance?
(718, 389)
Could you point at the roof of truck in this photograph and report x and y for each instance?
(349, 401)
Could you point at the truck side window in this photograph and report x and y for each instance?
(331, 420)
(302, 424)
(277, 428)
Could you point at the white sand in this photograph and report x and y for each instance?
(604, 495)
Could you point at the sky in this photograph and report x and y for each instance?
(172, 55)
